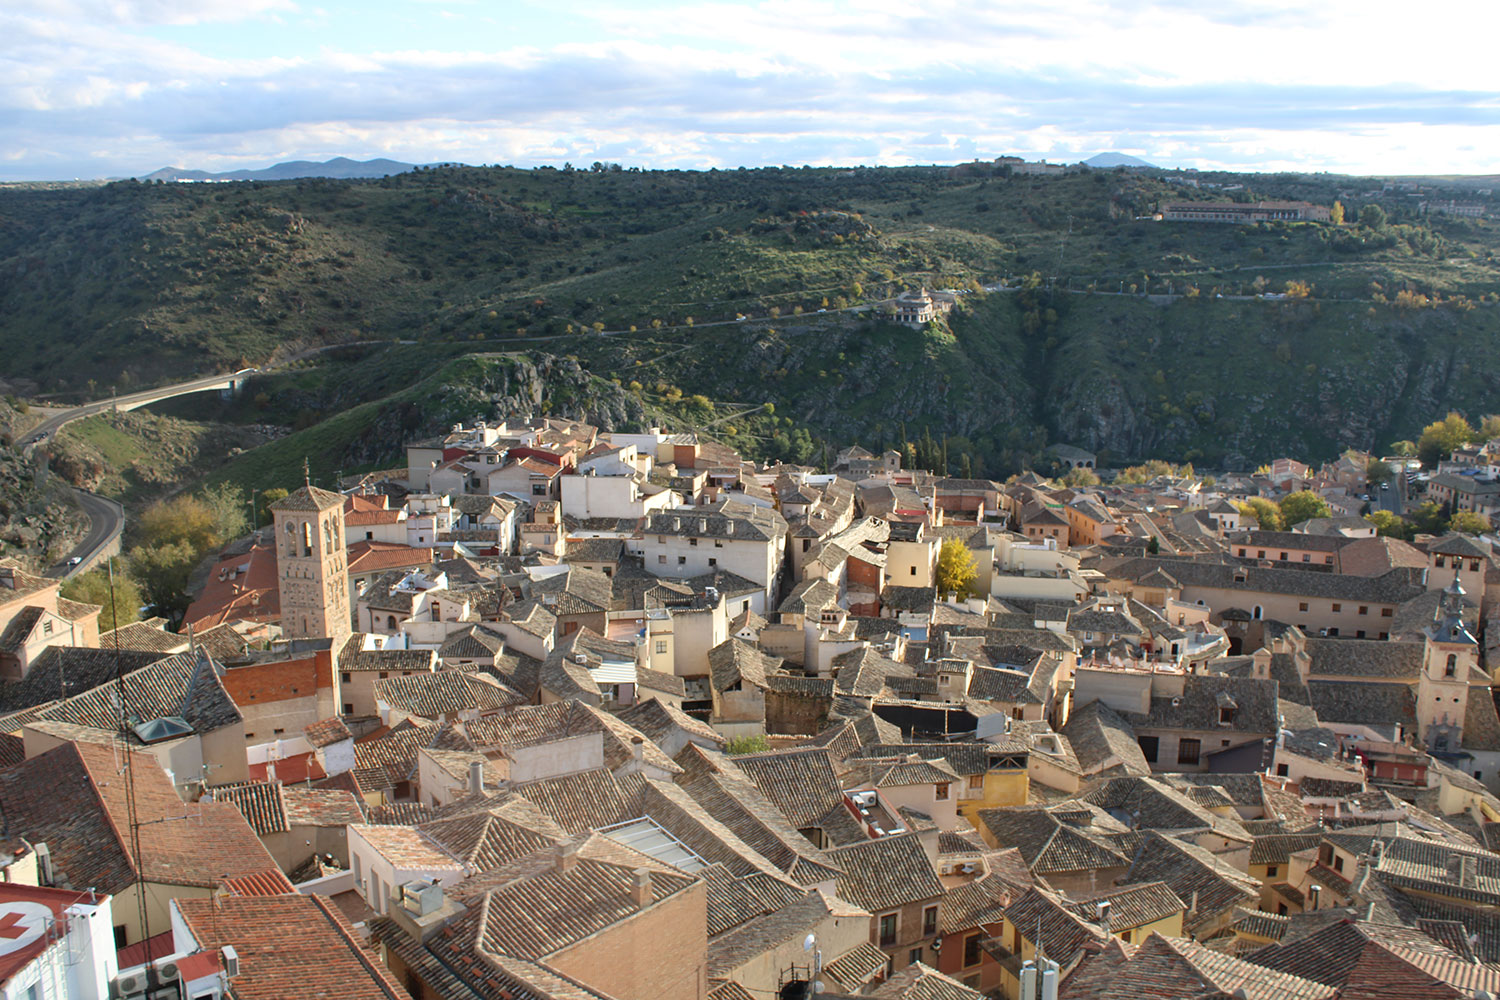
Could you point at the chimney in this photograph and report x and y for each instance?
(1467, 871)
(567, 855)
(1313, 892)
(476, 776)
(1193, 906)
(676, 524)
(638, 748)
(728, 527)
(640, 888)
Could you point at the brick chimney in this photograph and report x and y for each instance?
(567, 855)
(638, 748)
(640, 888)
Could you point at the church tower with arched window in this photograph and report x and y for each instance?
(311, 567)
(1443, 691)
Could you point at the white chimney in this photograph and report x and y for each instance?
(476, 776)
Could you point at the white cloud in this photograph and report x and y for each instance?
(714, 83)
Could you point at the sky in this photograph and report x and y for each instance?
(101, 88)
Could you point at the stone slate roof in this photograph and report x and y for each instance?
(729, 519)
(1007, 686)
(964, 758)
(886, 873)
(805, 788)
(445, 693)
(1153, 804)
(1178, 967)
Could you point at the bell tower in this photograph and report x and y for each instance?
(1443, 692)
(311, 567)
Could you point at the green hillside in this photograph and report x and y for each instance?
(1136, 338)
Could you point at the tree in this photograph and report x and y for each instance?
(1336, 214)
(956, 570)
(1377, 471)
(1428, 519)
(183, 520)
(1489, 427)
(1266, 513)
(746, 744)
(1388, 525)
(276, 493)
(93, 588)
(1079, 476)
(1403, 449)
(163, 571)
(1440, 438)
(1302, 506)
(1372, 216)
(1469, 523)
(227, 502)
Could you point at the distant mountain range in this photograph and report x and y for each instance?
(340, 167)
(1104, 160)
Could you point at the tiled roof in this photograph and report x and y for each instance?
(1048, 844)
(144, 637)
(290, 946)
(75, 799)
(1132, 905)
(330, 807)
(181, 685)
(1155, 805)
(408, 847)
(1064, 933)
(1192, 873)
(1357, 658)
(922, 982)
(1254, 702)
(1101, 738)
(493, 834)
(327, 732)
(1359, 702)
(886, 873)
(1177, 967)
(445, 693)
(658, 720)
(259, 802)
(63, 671)
(579, 802)
(309, 498)
(801, 782)
(735, 661)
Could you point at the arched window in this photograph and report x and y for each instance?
(327, 536)
(1452, 667)
(306, 538)
(1256, 613)
(390, 622)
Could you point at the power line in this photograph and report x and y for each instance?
(130, 804)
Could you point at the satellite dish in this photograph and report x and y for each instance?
(809, 942)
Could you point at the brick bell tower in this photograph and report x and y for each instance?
(311, 566)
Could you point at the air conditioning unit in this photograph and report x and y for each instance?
(968, 867)
(231, 961)
(131, 984)
(580, 658)
(167, 972)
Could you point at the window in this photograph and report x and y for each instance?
(1242, 552)
(346, 677)
(122, 936)
(1271, 871)
(1149, 747)
(1226, 716)
(384, 674)
(914, 956)
(914, 571)
(693, 541)
(1283, 556)
(1261, 554)
(661, 646)
(1302, 606)
(976, 782)
(942, 791)
(1360, 634)
(661, 560)
(306, 539)
(1452, 667)
(1337, 607)
(47, 627)
(1338, 863)
(348, 708)
(682, 560)
(1281, 909)
(887, 930)
(1333, 631)
(929, 921)
(1385, 612)
(1187, 751)
(1364, 609)
(369, 536)
(712, 561)
(278, 732)
(1306, 557)
(1282, 771)
(971, 950)
(1328, 560)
